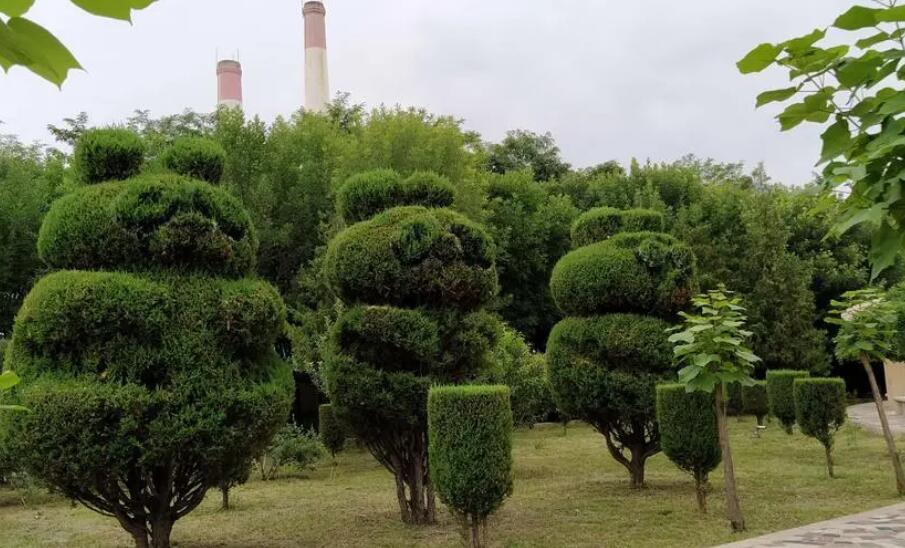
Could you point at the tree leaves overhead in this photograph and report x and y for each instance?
(759, 58)
(115, 9)
(858, 17)
(15, 8)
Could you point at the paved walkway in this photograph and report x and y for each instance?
(881, 528)
(865, 416)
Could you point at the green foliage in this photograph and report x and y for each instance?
(820, 407)
(108, 154)
(470, 433)
(850, 87)
(601, 223)
(734, 399)
(331, 430)
(522, 149)
(868, 323)
(755, 401)
(688, 429)
(781, 395)
(641, 272)
(291, 446)
(366, 194)
(195, 157)
(711, 344)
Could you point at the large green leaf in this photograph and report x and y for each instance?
(894, 14)
(865, 43)
(8, 379)
(115, 9)
(836, 140)
(44, 54)
(775, 95)
(759, 58)
(797, 45)
(858, 17)
(855, 72)
(15, 8)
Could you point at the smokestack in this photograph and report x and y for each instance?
(229, 84)
(317, 88)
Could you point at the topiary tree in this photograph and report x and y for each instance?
(196, 157)
(331, 431)
(688, 434)
(781, 395)
(820, 411)
(153, 337)
(108, 154)
(606, 357)
(600, 223)
(755, 401)
(413, 281)
(368, 193)
(470, 432)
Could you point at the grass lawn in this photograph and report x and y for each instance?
(568, 492)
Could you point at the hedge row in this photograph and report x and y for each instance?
(781, 396)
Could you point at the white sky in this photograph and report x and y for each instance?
(610, 79)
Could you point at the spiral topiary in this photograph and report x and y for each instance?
(153, 337)
(414, 280)
(608, 354)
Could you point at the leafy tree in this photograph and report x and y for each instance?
(857, 89)
(525, 150)
(867, 322)
(152, 337)
(26, 43)
(711, 348)
(331, 431)
(820, 411)
(756, 402)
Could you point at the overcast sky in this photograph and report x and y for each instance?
(608, 78)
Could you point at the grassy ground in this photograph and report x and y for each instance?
(568, 492)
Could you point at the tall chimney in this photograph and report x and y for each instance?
(317, 88)
(229, 83)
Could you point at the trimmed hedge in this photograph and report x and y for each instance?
(599, 224)
(781, 396)
(196, 157)
(755, 401)
(155, 222)
(644, 272)
(470, 433)
(108, 154)
(331, 430)
(688, 432)
(366, 194)
(411, 257)
(820, 410)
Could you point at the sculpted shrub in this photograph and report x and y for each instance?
(108, 154)
(781, 395)
(755, 401)
(820, 411)
(331, 431)
(195, 157)
(600, 223)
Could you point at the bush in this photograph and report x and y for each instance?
(470, 433)
(820, 411)
(366, 194)
(108, 154)
(195, 157)
(645, 273)
(688, 433)
(291, 446)
(332, 433)
(781, 396)
(755, 401)
(601, 223)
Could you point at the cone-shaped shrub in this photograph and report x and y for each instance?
(600, 223)
(820, 411)
(195, 157)
(108, 154)
(607, 356)
(414, 281)
(147, 355)
(688, 433)
(781, 395)
(755, 402)
(331, 431)
(470, 432)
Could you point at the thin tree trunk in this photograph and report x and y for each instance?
(829, 460)
(733, 508)
(700, 489)
(475, 532)
(887, 433)
(224, 491)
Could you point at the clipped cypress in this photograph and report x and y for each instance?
(470, 432)
(331, 431)
(152, 335)
(196, 157)
(606, 357)
(755, 402)
(414, 281)
(688, 434)
(820, 411)
(600, 223)
(108, 154)
(781, 395)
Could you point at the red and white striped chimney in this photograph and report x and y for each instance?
(229, 83)
(317, 88)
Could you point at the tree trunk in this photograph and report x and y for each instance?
(141, 539)
(829, 460)
(887, 433)
(224, 492)
(700, 489)
(733, 508)
(475, 532)
(636, 470)
(160, 533)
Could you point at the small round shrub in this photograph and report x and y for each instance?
(820, 411)
(108, 154)
(195, 157)
(599, 224)
(755, 402)
(781, 395)
(645, 273)
(470, 448)
(291, 446)
(331, 430)
(367, 194)
(688, 433)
